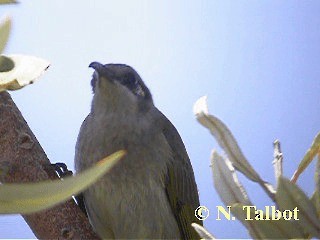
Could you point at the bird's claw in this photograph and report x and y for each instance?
(61, 169)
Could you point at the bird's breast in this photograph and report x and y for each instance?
(131, 198)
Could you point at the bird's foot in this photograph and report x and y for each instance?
(61, 169)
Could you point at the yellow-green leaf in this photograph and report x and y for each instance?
(8, 1)
(25, 71)
(5, 26)
(289, 196)
(25, 198)
(308, 157)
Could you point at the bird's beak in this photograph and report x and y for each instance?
(98, 67)
(102, 70)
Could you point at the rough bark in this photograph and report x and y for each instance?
(22, 159)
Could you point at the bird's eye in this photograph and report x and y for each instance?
(129, 80)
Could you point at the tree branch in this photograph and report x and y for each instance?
(22, 159)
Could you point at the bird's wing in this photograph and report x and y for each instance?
(180, 185)
(81, 145)
(78, 161)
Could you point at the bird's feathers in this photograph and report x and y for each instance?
(181, 186)
(128, 119)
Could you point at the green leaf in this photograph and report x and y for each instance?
(25, 198)
(228, 143)
(8, 1)
(316, 201)
(5, 26)
(267, 229)
(289, 196)
(316, 195)
(308, 157)
(225, 139)
(239, 213)
(26, 69)
(226, 181)
(6, 64)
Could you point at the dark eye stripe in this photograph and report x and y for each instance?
(135, 85)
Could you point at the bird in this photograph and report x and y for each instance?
(151, 193)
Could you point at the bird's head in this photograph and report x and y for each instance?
(119, 86)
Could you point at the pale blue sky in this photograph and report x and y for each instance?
(258, 62)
